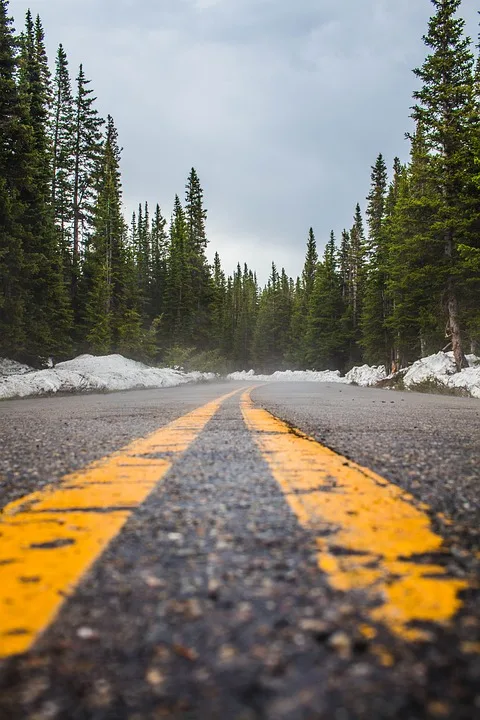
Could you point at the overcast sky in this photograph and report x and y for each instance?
(281, 105)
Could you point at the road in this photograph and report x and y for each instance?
(293, 551)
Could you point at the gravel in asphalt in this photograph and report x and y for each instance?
(427, 444)
(210, 603)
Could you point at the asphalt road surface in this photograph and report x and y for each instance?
(299, 551)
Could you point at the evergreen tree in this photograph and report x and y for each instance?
(196, 244)
(13, 162)
(415, 284)
(218, 302)
(352, 273)
(42, 59)
(106, 264)
(376, 340)
(47, 316)
(159, 258)
(178, 297)
(63, 154)
(270, 339)
(297, 353)
(445, 111)
(325, 341)
(87, 152)
(246, 318)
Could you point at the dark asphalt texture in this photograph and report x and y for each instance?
(209, 604)
(427, 444)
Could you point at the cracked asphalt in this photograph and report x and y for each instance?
(210, 603)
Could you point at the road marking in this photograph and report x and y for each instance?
(371, 537)
(49, 539)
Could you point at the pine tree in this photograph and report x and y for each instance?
(87, 152)
(63, 143)
(270, 338)
(12, 171)
(297, 353)
(325, 340)
(376, 340)
(42, 59)
(352, 272)
(415, 285)
(47, 309)
(218, 302)
(178, 297)
(445, 111)
(195, 248)
(159, 251)
(106, 276)
(245, 318)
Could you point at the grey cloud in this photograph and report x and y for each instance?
(281, 106)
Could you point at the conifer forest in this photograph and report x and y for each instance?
(400, 281)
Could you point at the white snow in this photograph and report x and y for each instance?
(332, 376)
(366, 376)
(11, 367)
(441, 368)
(114, 372)
(92, 373)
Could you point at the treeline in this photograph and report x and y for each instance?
(74, 277)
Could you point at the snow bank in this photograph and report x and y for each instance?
(438, 368)
(92, 373)
(332, 376)
(114, 372)
(366, 376)
(441, 368)
(11, 367)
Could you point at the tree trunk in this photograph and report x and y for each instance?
(423, 346)
(454, 327)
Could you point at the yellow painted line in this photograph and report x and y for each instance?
(370, 534)
(49, 539)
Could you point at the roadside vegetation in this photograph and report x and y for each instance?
(398, 284)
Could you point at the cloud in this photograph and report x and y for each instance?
(282, 107)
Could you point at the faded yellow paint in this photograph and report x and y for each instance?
(371, 535)
(49, 539)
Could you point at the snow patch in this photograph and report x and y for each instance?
(438, 368)
(94, 373)
(332, 376)
(366, 376)
(11, 367)
(441, 368)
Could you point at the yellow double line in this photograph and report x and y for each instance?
(369, 532)
(49, 539)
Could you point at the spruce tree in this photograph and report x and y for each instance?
(195, 248)
(415, 285)
(325, 340)
(159, 256)
(297, 352)
(87, 153)
(445, 110)
(270, 338)
(178, 297)
(63, 143)
(47, 307)
(218, 301)
(13, 162)
(352, 274)
(106, 263)
(375, 340)
(246, 312)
